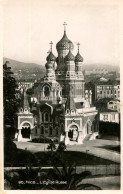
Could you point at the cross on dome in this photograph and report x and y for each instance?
(51, 43)
(65, 24)
(78, 44)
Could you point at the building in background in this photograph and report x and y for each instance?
(109, 89)
(96, 72)
(107, 115)
(25, 84)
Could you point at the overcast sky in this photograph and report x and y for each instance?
(30, 25)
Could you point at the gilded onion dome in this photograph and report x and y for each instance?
(78, 58)
(49, 65)
(64, 43)
(69, 56)
(51, 57)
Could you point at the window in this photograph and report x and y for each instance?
(42, 118)
(113, 117)
(46, 91)
(56, 131)
(105, 117)
(42, 130)
(56, 119)
(50, 118)
(46, 117)
(51, 131)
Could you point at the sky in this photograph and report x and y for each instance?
(30, 25)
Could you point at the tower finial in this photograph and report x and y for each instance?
(65, 24)
(78, 44)
(51, 43)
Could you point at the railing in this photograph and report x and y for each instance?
(110, 169)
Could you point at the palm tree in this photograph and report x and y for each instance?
(51, 147)
(60, 150)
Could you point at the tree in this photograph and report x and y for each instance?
(61, 148)
(11, 99)
(51, 147)
(11, 103)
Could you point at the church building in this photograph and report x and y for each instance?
(60, 105)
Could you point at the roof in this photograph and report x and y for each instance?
(69, 56)
(79, 105)
(109, 82)
(51, 57)
(64, 43)
(107, 110)
(78, 58)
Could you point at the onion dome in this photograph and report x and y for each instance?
(51, 57)
(49, 65)
(64, 43)
(69, 56)
(78, 58)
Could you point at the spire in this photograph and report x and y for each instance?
(78, 44)
(65, 24)
(78, 57)
(63, 44)
(51, 43)
(51, 56)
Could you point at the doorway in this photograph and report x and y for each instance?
(73, 133)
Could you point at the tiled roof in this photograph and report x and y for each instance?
(51, 57)
(78, 58)
(64, 43)
(69, 57)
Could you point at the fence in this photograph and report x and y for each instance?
(112, 169)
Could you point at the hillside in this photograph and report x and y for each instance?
(35, 71)
(26, 70)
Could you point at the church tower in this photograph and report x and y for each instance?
(69, 68)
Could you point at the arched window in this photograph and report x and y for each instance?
(42, 117)
(42, 130)
(46, 117)
(50, 118)
(46, 91)
(57, 131)
(51, 131)
(63, 90)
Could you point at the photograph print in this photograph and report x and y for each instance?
(61, 95)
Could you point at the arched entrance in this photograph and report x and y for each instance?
(26, 130)
(73, 133)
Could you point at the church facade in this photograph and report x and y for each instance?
(60, 105)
